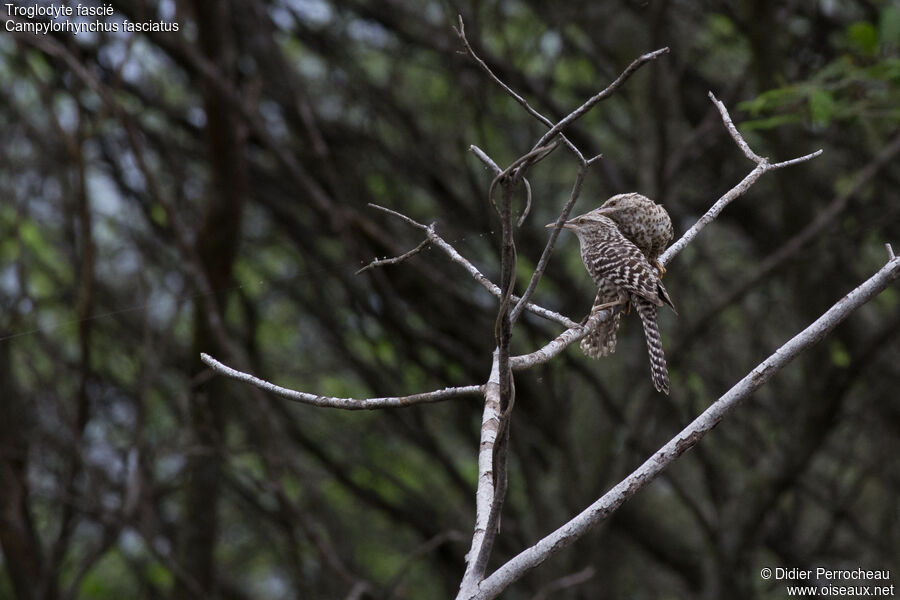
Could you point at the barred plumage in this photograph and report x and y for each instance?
(645, 224)
(601, 341)
(623, 275)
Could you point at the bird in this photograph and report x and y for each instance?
(648, 226)
(622, 271)
(643, 222)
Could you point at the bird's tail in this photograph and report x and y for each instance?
(601, 341)
(658, 370)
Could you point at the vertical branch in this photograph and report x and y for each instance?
(485, 490)
(503, 334)
(499, 400)
(551, 243)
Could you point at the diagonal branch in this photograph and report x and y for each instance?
(555, 346)
(556, 129)
(551, 243)
(606, 93)
(461, 32)
(344, 403)
(823, 219)
(380, 262)
(516, 567)
(762, 165)
(489, 285)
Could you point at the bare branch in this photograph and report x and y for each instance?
(551, 243)
(762, 165)
(574, 115)
(712, 213)
(794, 161)
(461, 32)
(527, 208)
(810, 232)
(494, 288)
(484, 492)
(732, 130)
(487, 160)
(380, 262)
(560, 342)
(399, 216)
(745, 148)
(606, 93)
(518, 168)
(490, 286)
(344, 403)
(515, 568)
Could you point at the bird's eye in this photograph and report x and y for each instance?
(613, 203)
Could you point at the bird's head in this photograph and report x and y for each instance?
(586, 223)
(625, 205)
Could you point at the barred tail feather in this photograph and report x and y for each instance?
(658, 370)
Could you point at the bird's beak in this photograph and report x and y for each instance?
(565, 225)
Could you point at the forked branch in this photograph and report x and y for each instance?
(762, 165)
(516, 567)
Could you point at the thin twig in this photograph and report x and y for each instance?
(810, 232)
(489, 285)
(399, 216)
(794, 161)
(735, 134)
(344, 403)
(516, 567)
(762, 165)
(461, 32)
(380, 262)
(517, 169)
(551, 243)
(606, 93)
(483, 157)
(527, 209)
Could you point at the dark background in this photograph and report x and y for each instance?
(164, 194)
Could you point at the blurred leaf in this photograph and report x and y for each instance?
(770, 122)
(889, 25)
(821, 106)
(839, 355)
(771, 100)
(159, 575)
(158, 214)
(864, 37)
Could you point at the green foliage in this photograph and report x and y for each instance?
(840, 357)
(110, 579)
(863, 37)
(861, 84)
